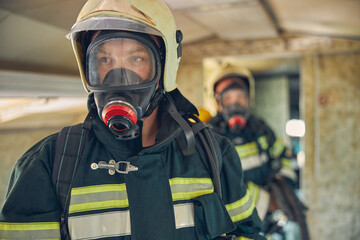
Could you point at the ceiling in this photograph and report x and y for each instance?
(36, 58)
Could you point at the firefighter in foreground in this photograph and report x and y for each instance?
(268, 171)
(141, 166)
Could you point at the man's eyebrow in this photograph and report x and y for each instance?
(102, 50)
(138, 49)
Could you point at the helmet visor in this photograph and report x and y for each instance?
(121, 61)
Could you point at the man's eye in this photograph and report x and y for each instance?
(137, 59)
(104, 60)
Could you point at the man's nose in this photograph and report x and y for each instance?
(119, 62)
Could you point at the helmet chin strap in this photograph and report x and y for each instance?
(154, 101)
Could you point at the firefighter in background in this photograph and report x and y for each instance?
(268, 170)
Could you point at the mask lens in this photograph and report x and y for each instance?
(128, 61)
(234, 96)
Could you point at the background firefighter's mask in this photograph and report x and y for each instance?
(234, 111)
(123, 70)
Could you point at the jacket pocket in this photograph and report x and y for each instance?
(211, 217)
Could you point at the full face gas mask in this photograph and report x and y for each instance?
(123, 71)
(234, 103)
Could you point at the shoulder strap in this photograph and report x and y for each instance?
(209, 151)
(69, 146)
(210, 154)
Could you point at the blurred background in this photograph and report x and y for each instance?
(304, 55)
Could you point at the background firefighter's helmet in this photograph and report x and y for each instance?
(228, 77)
(235, 73)
(144, 16)
(204, 114)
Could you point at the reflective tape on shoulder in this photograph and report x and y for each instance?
(117, 223)
(33, 230)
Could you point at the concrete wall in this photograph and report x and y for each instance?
(272, 104)
(331, 109)
(190, 82)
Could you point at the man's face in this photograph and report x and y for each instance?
(124, 53)
(233, 96)
(230, 96)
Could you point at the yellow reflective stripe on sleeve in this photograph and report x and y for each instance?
(277, 148)
(247, 149)
(263, 142)
(286, 163)
(287, 169)
(188, 188)
(28, 226)
(254, 191)
(98, 197)
(242, 208)
(244, 238)
(37, 230)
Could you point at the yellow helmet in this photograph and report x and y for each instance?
(204, 115)
(143, 16)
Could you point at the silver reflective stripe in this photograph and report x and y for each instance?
(289, 173)
(91, 226)
(98, 197)
(117, 223)
(30, 234)
(253, 161)
(184, 215)
(189, 188)
(241, 209)
(262, 204)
